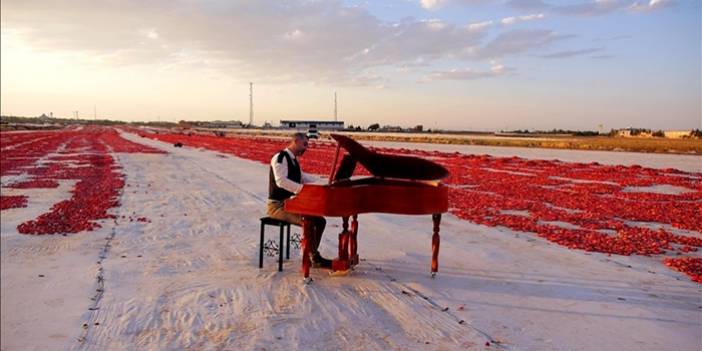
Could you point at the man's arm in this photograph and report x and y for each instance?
(280, 173)
(308, 178)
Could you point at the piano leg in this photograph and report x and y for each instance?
(343, 240)
(305, 243)
(341, 262)
(353, 244)
(435, 241)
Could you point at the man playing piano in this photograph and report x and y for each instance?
(285, 180)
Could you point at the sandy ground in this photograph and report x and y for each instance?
(188, 279)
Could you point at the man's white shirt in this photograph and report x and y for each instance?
(280, 173)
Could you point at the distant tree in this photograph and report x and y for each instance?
(586, 133)
(696, 133)
(419, 128)
(358, 128)
(374, 126)
(639, 131)
(659, 134)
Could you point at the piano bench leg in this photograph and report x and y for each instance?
(271, 250)
(260, 248)
(287, 250)
(280, 249)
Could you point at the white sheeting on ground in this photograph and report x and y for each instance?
(189, 279)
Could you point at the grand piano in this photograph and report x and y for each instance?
(398, 184)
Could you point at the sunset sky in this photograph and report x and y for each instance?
(452, 64)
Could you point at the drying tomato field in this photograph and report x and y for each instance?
(41, 159)
(582, 206)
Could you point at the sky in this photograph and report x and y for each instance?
(448, 64)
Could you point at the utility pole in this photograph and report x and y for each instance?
(76, 112)
(250, 104)
(335, 115)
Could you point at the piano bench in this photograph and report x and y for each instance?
(282, 225)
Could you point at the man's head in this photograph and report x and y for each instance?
(298, 144)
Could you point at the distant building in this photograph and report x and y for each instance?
(634, 133)
(623, 132)
(217, 124)
(677, 134)
(185, 124)
(391, 129)
(646, 133)
(322, 125)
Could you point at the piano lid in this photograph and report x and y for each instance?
(391, 166)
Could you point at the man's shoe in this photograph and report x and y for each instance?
(320, 262)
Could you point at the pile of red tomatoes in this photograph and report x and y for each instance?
(585, 206)
(12, 201)
(82, 155)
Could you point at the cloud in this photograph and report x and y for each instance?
(367, 79)
(571, 53)
(525, 18)
(527, 4)
(319, 41)
(269, 41)
(651, 5)
(423, 41)
(469, 74)
(432, 4)
(435, 4)
(602, 7)
(479, 26)
(613, 37)
(579, 7)
(592, 8)
(515, 42)
(151, 34)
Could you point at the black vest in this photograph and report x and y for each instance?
(274, 191)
